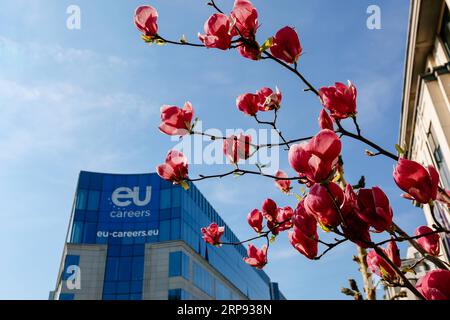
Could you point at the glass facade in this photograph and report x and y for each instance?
(179, 265)
(203, 279)
(177, 294)
(126, 212)
(124, 272)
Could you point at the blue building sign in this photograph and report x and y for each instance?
(116, 206)
(128, 205)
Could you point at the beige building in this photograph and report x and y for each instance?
(420, 270)
(425, 118)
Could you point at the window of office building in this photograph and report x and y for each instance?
(445, 31)
(77, 232)
(178, 264)
(203, 279)
(176, 196)
(82, 196)
(222, 292)
(165, 199)
(93, 200)
(66, 296)
(124, 272)
(438, 156)
(178, 294)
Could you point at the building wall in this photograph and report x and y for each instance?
(425, 125)
(91, 271)
(157, 281)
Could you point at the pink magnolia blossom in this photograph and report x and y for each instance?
(145, 19)
(269, 210)
(382, 268)
(237, 148)
(325, 121)
(256, 257)
(249, 49)
(321, 203)
(244, 19)
(375, 209)
(255, 220)
(175, 168)
(304, 236)
(429, 243)
(212, 234)
(435, 285)
(282, 220)
(176, 121)
(419, 183)
(355, 228)
(283, 185)
(316, 159)
(263, 100)
(217, 33)
(269, 100)
(286, 45)
(248, 103)
(340, 100)
(393, 253)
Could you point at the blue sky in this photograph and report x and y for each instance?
(89, 99)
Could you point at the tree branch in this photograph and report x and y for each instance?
(273, 124)
(405, 280)
(330, 246)
(359, 137)
(179, 43)
(401, 239)
(263, 234)
(240, 172)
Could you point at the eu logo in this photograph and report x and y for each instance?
(123, 196)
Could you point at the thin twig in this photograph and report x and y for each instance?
(331, 246)
(241, 172)
(273, 124)
(263, 234)
(179, 43)
(401, 239)
(361, 138)
(405, 280)
(358, 129)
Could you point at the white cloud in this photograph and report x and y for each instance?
(11, 49)
(53, 114)
(57, 117)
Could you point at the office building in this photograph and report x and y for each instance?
(425, 118)
(136, 236)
